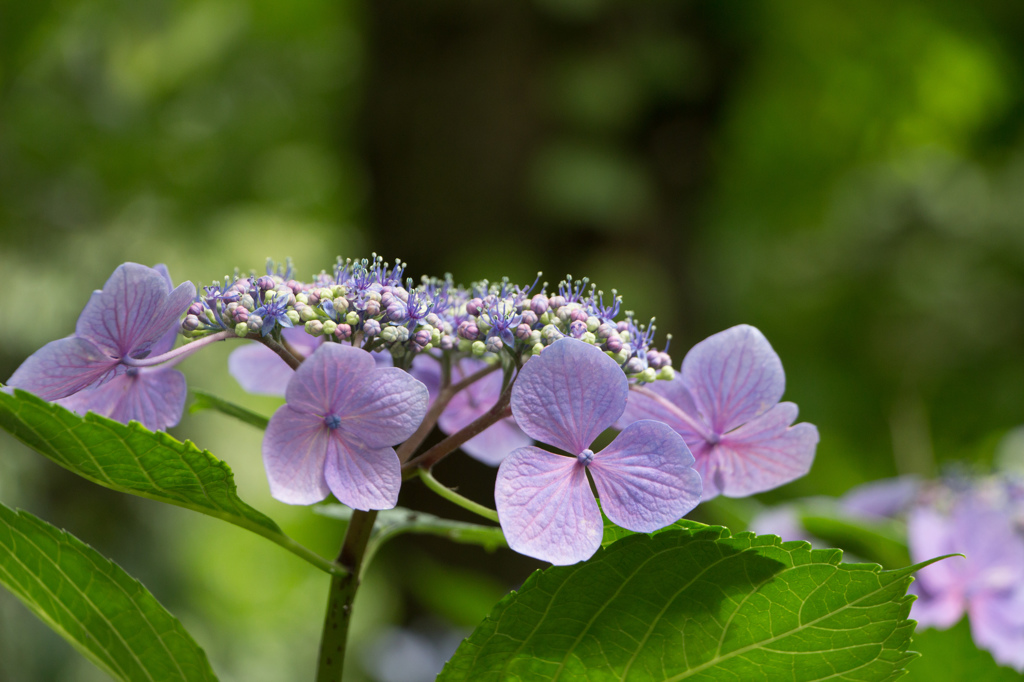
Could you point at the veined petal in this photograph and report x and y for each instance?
(760, 455)
(384, 408)
(257, 369)
(133, 311)
(63, 367)
(675, 408)
(294, 452)
(546, 508)
(645, 477)
(154, 398)
(569, 394)
(733, 376)
(360, 476)
(328, 378)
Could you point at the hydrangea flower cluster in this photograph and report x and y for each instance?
(369, 363)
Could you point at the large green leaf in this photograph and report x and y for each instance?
(697, 604)
(91, 602)
(131, 459)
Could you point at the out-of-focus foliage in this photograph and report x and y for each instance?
(843, 176)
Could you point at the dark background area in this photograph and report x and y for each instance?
(847, 178)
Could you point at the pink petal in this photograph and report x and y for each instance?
(257, 369)
(133, 311)
(762, 454)
(362, 477)
(63, 367)
(733, 376)
(645, 477)
(569, 394)
(155, 398)
(545, 506)
(675, 408)
(294, 452)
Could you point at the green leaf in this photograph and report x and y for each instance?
(952, 655)
(398, 521)
(883, 542)
(201, 400)
(131, 459)
(93, 604)
(697, 604)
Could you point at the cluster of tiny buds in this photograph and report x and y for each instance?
(367, 304)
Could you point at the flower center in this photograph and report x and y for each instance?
(585, 457)
(713, 438)
(332, 421)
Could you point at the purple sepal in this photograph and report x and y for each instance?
(257, 369)
(546, 507)
(645, 477)
(569, 394)
(63, 367)
(153, 397)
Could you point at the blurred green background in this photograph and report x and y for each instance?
(849, 177)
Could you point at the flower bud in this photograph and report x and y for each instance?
(578, 315)
(340, 305)
(343, 331)
(293, 316)
(577, 328)
(588, 337)
(396, 312)
(529, 318)
(191, 323)
(593, 323)
(312, 297)
(648, 375)
(538, 348)
(266, 283)
(389, 334)
(422, 338)
(196, 309)
(302, 298)
(475, 307)
(494, 344)
(247, 302)
(556, 302)
(468, 330)
(613, 344)
(667, 373)
(353, 319)
(479, 348)
(550, 334)
(448, 342)
(314, 327)
(606, 331)
(523, 332)
(329, 326)
(241, 329)
(370, 327)
(539, 304)
(634, 366)
(535, 337)
(465, 345)
(255, 322)
(306, 313)
(241, 315)
(372, 308)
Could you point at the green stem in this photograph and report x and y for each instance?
(341, 596)
(452, 496)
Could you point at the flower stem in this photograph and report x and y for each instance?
(179, 352)
(341, 596)
(452, 496)
(428, 459)
(406, 449)
(281, 351)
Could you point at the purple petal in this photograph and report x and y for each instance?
(545, 506)
(940, 587)
(63, 367)
(379, 407)
(427, 370)
(257, 369)
(294, 452)
(761, 455)
(733, 376)
(997, 624)
(881, 499)
(303, 343)
(674, 408)
(155, 398)
(362, 477)
(783, 520)
(133, 311)
(645, 478)
(569, 394)
(493, 445)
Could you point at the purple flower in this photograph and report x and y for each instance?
(135, 316)
(336, 431)
(566, 397)
(988, 584)
(725, 405)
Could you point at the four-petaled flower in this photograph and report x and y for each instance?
(725, 404)
(566, 397)
(135, 316)
(336, 431)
